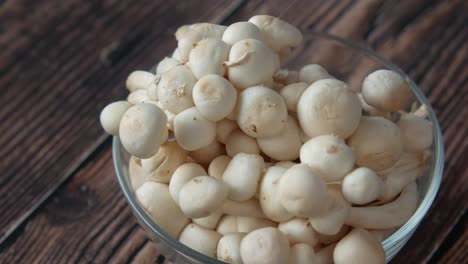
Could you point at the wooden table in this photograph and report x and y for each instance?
(62, 61)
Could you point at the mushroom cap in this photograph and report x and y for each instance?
(193, 131)
(200, 239)
(311, 73)
(210, 221)
(248, 224)
(302, 191)
(111, 115)
(251, 62)
(239, 142)
(166, 64)
(291, 94)
(329, 156)
(299, 230)
(361, 186)
(207, 57)
(386, 90)
(201, 196)
(139, 80)
(175, 88)
(181, 176)
(416, 133)
(265, 246)
(240, 31)
(268, 195)
(229, 248)
(206, 30)
(359, 246)
(262, 112)
(242, 176)
(285, 146)
(155, 198)
(206, 154)
(277, 33)
(161, 166)
(377, 143)
(218, 165)
(214, 97)
(224, 129)
(136, 174)
(141, 129)
(139, 96)
(329, 107)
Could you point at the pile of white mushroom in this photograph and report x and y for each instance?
(269, 165)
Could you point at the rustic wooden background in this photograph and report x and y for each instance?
(62, 61)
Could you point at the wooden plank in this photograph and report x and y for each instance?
(454, 248)
(51, 97)
(428, 40)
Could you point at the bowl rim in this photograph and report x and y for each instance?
(402, 232)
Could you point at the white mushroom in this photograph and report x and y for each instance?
(382, 234)
(202, 196)
(291, 94)
(227, 224)
(155, 198)
(111, 115)
(278, 34)
(335, 213)
(247, 208)
(262, 112)
(214, 97)
(166, 64)
(386, 90)
(407, 169)
(302, 191)
(248, 224)
(265, 246)
(357, 247)
(181, 176)
(161, 166)
(224, 129)
(302, 253)
(329, 156)
(325, 255)
(389, 215)
(229, 248)
(218, 165)
(139, 80)
(361, 186)
(240, 31)
(286, 77)
(206, 154)
(311, 73)
(377, 143)
(139, 96)
(176, 55)
(251, 62)
(285, 164)
(175, 89)
(207, 57)
(200, 239)
(329, 107)
(242, 176)
(192, 131)
(299, 230)
(204, 29)
(269, 199)
(238, 142)
(141, 129)
(416, 132)
(330, 239)
(285, 146)
(136, 174)
(210, 221)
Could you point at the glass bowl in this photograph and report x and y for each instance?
(348, 61)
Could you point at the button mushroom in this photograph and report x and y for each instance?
(141, 129)
(193, 131)
(238, 142)
(139, 80)
(361, 186)
(302, 253)
(269, 199)
(162, 165)
(311, 73)
(181, 176)
(200, 239)
(242, 176)
(359, 246)
(229, 248)
(218, 165)
(111, 115)
(291, 94)
(240, 31)
(265, 246)
(207, 57)
(299, 230)
(175, 89)
(329, 107)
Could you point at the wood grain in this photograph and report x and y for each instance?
(55, 80)
(97, 44)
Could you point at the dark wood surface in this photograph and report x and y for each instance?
(62, 61)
